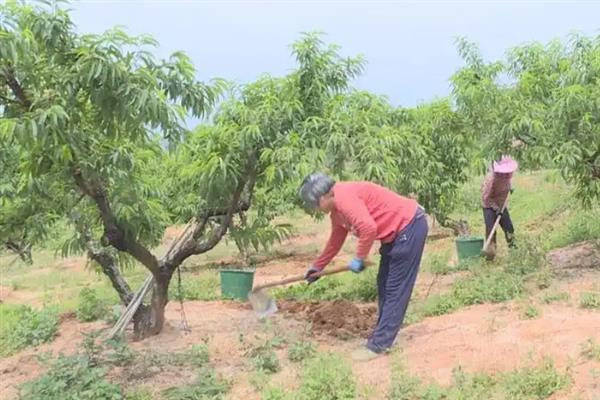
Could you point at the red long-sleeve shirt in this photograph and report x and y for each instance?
(371, 212)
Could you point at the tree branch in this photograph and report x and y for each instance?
(191, 246)
(15, 86)
(113, 234)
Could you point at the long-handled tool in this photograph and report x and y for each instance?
(264, 305)
(491, 235)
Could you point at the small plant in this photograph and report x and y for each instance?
(536, 382)
(555, 296)
(207, 386)
(71, 378)
(265, 359)
(301, 350)
(590, 349)
(90, 306)
(326, 377)
(589, 300)
(530, 312)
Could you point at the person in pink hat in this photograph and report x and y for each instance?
(494, 192)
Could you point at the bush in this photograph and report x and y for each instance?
(207, 386)
(326, 377)
(589, 300)
(301, 350)
(71, 378)
(90, 306)
(23, 326)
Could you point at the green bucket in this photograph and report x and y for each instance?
(236, 283)
(468, 247)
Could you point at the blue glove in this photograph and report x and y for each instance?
(309, 272)
(356, 265)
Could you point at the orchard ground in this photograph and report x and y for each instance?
(528, 320)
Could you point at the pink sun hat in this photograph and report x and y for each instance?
(506, 165)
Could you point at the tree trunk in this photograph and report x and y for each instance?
(143, 319)
(160, 298)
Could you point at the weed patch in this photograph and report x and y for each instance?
(301, 350)
(523, 384)
(555, 296)
(590, 300)
(265, 359)
(207, 386)
(202, 287)
(361, 287)
(326, 377)
(72, 378)
(23, 326)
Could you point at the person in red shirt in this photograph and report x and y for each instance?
(372, 212)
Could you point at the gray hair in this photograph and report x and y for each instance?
(313, 187)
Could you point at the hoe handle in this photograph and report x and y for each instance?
(299, 278)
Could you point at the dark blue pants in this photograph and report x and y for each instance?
(398, 269)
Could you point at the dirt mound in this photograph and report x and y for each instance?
(339, 318)
(576, 256)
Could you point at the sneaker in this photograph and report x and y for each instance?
(364, 354)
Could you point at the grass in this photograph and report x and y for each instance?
(361, 287)
(73, 377)
(326, 377)
(552, 297)
(203, 286)
(207, 386)
(589, 300)
(534, 382)
(23, 326)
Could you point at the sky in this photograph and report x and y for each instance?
(409, 45)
